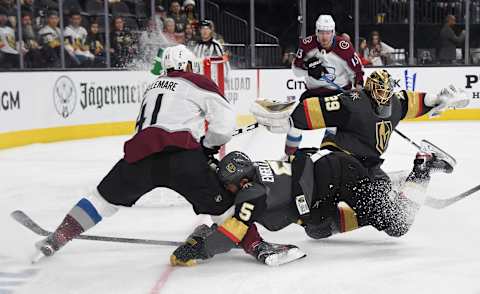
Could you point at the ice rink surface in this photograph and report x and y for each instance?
(441, 253)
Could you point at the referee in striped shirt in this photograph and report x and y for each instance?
(207, 46)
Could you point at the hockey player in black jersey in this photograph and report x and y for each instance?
(365, 120)
(325, 191)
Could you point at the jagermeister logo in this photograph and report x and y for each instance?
(231, 168)
(383, 132)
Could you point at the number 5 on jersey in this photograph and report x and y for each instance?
(153, 119)
(246, 211)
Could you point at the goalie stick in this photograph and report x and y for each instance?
(442, 203)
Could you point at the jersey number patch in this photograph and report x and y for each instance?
(332, 103)
(246, 211)
(141, 118)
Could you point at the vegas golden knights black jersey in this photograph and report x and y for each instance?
(360, 131)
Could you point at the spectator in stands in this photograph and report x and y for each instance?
(378, 51)
(363, 52)
(288, 57)
(9, 57)
(75, 41)
(190, 13)
(49, 37)
(190, 37)
(95, 43)
(149, 42)
(30, 37)
(169, 32)
(160, 16)
(42, 7)
(449, 41)
(27, 7)
(216, 35)
(9, 7)
(11, 11)
(123, 44)
(178, 16)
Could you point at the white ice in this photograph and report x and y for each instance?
(441, 253)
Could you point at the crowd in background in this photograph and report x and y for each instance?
(133, 34)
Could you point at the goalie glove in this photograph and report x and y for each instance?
(274, 115)
(449, 97)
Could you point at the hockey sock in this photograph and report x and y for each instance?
(83, 216)
(294, 137)
(251, 238)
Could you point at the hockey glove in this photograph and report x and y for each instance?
(208, 151)
(188, 253)
(449, 97)
(315, 68)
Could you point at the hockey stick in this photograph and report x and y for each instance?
(442, 203)
(23, 219)
(245, 129)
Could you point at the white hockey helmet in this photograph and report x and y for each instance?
(177, 57)
(325, 23)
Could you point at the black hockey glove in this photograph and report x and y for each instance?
(315, 68)
(188, 253)
(209, 151)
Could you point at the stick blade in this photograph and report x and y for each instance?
(23, 219)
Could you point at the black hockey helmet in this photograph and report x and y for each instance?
(234, 167)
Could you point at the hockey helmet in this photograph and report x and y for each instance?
(379, 86)
(177, 58)
(325, 23)
(234, 167)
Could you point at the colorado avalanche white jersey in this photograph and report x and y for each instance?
(340, 62)
(173, 114)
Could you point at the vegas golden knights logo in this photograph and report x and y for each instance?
(231, 168)
(383, 132)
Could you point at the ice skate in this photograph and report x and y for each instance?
(276, 254)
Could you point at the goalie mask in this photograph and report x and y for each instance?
(234, 167)
(379, 86)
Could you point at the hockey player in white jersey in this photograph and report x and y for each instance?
(330, 66)
(169, 149)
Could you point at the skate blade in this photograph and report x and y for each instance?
(283, 258)
(37, 257)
